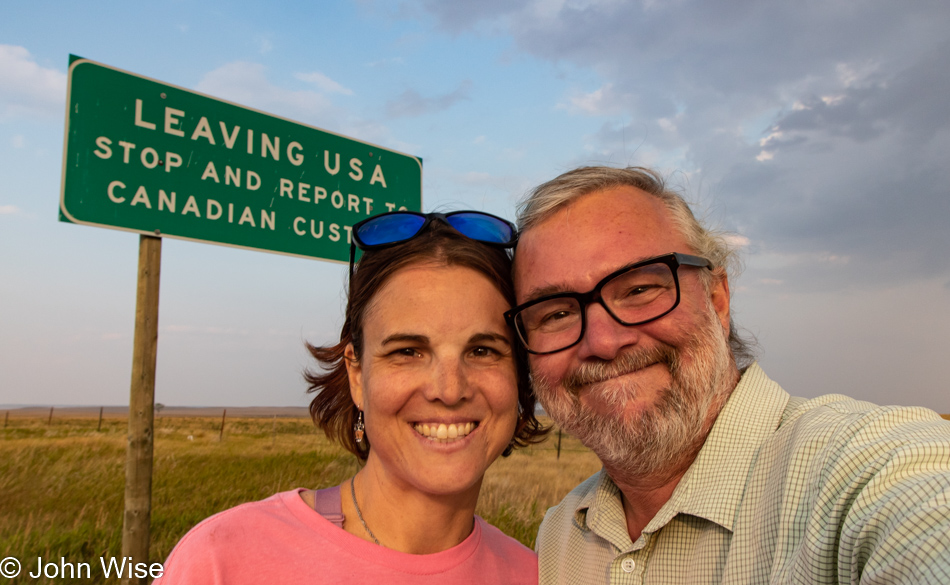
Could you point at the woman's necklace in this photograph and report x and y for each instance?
(359, 514)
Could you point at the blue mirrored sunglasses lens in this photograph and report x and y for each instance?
(481, 227)
(390, 228)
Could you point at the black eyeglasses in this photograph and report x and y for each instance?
(633, 295)
(396, 227)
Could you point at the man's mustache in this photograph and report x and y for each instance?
(627, 362)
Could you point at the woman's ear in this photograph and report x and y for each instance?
(355, 374)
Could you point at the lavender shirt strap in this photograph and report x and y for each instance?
(327, 503)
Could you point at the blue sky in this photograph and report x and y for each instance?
(817, 132)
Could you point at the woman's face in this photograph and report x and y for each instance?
(436, 380)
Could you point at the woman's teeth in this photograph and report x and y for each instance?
(444, 433)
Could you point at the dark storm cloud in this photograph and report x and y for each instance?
(861, 175)
(819, 130)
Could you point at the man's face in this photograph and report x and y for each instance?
(621, 383)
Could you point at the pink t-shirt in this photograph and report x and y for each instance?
(281, 540)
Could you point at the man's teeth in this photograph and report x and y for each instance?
(444, 433)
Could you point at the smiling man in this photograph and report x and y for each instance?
(712, 473)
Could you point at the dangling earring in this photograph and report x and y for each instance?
(358, 428)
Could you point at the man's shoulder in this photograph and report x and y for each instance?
(559, 518)
(848, 445)
(839, 417)
(845, 487)
(584, 491)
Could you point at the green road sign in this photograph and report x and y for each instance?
(153, 158)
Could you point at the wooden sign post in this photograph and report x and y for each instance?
(138, 460)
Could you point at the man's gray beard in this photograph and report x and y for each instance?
(657, 438)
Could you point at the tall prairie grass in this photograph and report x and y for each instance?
(61, 485)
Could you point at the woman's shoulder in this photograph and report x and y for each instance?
(254, 530)
(512, 557)
(245, 519)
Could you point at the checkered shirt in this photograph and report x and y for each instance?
(785, 490)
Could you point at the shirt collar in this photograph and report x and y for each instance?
(714, 485)
(601, 511)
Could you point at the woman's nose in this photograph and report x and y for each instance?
(449, 383)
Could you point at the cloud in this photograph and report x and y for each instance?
(264, 45)
(29, 90)
(386, 62)
(411, 104)
(9, 209)
(736, 240)
(818, 130)
(247, 84)
(458, 17)
(323, 83)
(863, 174)
(599, 102)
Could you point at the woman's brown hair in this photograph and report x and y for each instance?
(332, 409)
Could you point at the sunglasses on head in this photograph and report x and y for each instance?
(396, 227)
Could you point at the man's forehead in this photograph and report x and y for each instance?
(578, 280)
(589, 238)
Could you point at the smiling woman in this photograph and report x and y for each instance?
(427, 386)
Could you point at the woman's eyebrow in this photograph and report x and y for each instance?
(405, 338)
(483, 337)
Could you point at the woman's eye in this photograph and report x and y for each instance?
(485, 352)
(405, 352)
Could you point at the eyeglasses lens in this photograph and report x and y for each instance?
(550, 325)
(631, 297)
(484, 228)
(388, 229)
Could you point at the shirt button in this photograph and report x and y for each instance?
(628, 565)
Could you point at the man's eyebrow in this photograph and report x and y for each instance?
(405, 338)
(547, 290)
(553, 289)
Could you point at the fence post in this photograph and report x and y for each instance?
(50, 421)
(221, 434)
(99, 427)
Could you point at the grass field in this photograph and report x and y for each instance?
(61, 484)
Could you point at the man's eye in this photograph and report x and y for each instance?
(555, 316)
(556, 319)
(639, 290)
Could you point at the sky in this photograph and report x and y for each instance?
(816, 132)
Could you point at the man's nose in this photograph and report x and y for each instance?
(604, 337)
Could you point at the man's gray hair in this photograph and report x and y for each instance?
(546, 199)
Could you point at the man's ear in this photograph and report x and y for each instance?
(719, 297)
(355, 374)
